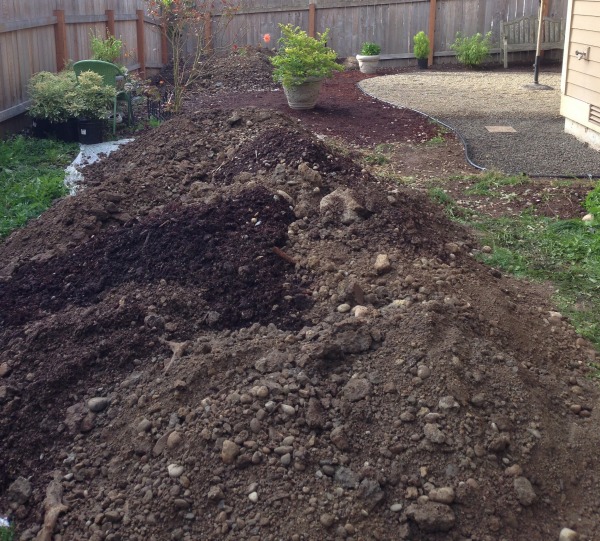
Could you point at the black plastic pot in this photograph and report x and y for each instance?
(422, 63)
(91, 131)
(41, 127)
(65, 131)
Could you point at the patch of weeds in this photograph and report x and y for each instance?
(440, 136)
(594, 372)
(490, 182)
(563, 252)
(380, 155)
(451, 208)
(31, 178)
(154, 122)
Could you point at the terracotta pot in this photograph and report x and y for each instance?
(368, 64)
(304, 95)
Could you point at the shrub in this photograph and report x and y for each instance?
(92, 96)
(370, 49)
(592, 202)
(108, 49)
(300, 57)
(472, 51)
(421, 45)
(185, 21)
(52, 95)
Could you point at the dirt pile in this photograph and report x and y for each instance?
(235, 332)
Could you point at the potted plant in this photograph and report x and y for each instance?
(91, 100)
(51, 108)
(301, 64)
(368, 59)
(421, 49)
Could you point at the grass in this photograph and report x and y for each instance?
(7, 533)
(563, 252)
(31, 178)
(488, 183)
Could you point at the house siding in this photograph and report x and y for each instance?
(581, 78)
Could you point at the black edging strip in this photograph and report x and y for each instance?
(465, 144)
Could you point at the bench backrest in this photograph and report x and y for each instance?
(524, 30)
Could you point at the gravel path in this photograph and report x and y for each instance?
(470, 101)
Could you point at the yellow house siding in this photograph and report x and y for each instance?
(581, 78)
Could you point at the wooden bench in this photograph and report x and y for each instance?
(521, 35)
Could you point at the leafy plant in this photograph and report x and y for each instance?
(370, 49)
(472, 51)
(92, 96)
(31, 177)
(7, 533)
(592, 202)
(108, 50)
(52, 95)
(301, 57)
(421, 45)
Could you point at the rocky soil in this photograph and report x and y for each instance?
(235, 331)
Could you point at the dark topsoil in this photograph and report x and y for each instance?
(235, 331)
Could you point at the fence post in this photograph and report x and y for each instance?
(110, 22)
(432, 14)
(141, 41)
(311, 18)
(164, 44)
(208, 38)
(60, 39)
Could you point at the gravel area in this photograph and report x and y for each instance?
(470, 101)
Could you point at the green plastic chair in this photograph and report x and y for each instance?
(109, 73)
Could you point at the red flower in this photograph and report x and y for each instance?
(267, 38)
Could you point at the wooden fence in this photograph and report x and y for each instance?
(391, 23)
(38, 35)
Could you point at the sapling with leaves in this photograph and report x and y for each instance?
(185, 22)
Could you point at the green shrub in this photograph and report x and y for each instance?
(108, 50)
(52, 95)
(592, 202)
(370, 49)
(472, 51)
(421, 45)
(92, 97)
(301, 57)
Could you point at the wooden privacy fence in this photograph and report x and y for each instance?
(391, 23)
(38, 35)
(43, 35)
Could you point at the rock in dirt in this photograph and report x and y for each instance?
(19, 490)
(432, 517)
(357, 389)
(525, 493)
(566, 534)
(341, 205)
(98, 403)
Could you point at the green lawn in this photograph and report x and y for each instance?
(31, 178)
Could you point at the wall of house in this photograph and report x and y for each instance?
(580, 102)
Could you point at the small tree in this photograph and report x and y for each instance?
(184, 21)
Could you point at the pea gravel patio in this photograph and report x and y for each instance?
(485, 108)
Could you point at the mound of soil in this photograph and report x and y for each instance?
(234, 331)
